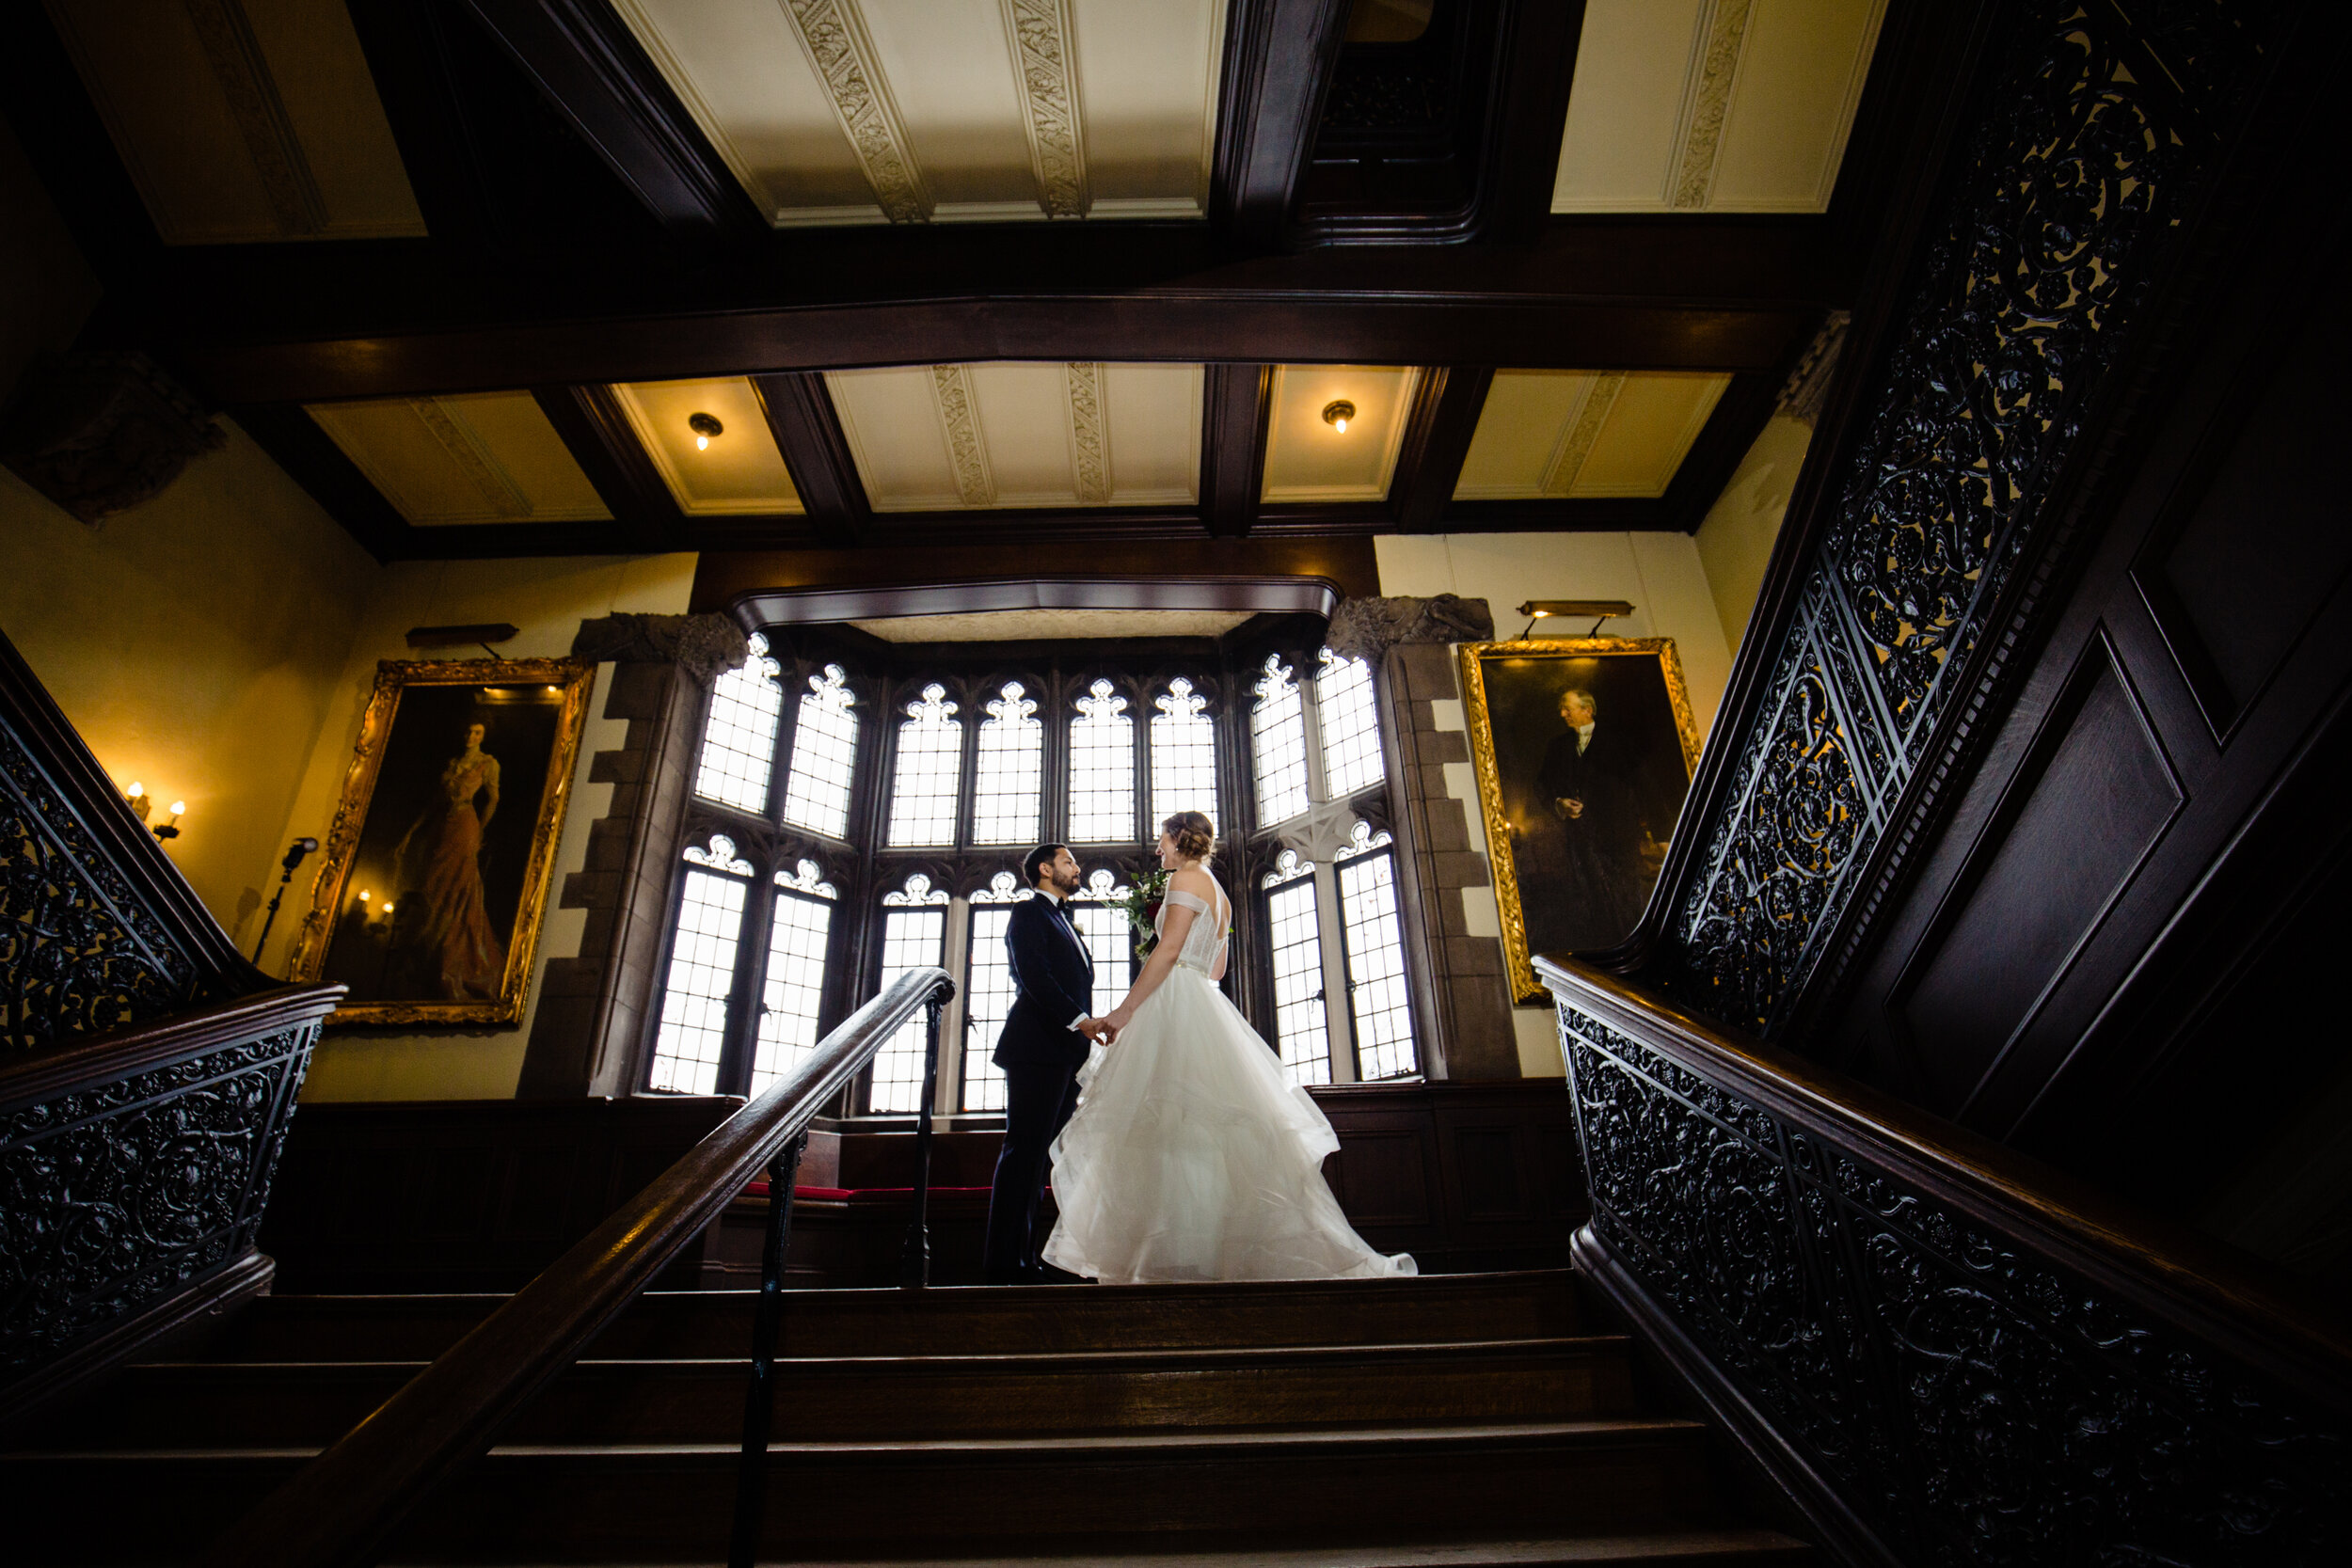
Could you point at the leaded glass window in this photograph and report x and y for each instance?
(824, 757)
(915, 935)
(740, 738)
(794, 988)
(1184, 755)
(1278, 743)
(1349, 717)
(930, 761)
(1009, 776)
(692, 1032)
(1110, 940)
(1375, 940)
(1101, 769)
(1302, 1036)
(988, 990)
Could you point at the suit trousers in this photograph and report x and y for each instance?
(1038, 1100)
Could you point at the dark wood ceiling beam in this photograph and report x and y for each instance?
(592, 70)
(605, 445)
(311, 459)
(1235, 402)
(1437, 431)
(807, 430)
(1279, 55)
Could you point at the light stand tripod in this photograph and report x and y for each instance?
(293, 858)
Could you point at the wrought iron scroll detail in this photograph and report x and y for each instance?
(1973, 1401)
(80, 954)
(116, 1195)
(2078, 174)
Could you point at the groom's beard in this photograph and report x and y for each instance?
(1065, 885)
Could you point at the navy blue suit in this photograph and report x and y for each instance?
(1053, 981)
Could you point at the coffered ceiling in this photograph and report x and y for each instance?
(1713, 105)
(737, 472)
(490, 457)
(946, 271)
(945, 111)
(1592, 434)
(241, 122)
(1017, 436)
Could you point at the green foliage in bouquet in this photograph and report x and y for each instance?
(1140, 904)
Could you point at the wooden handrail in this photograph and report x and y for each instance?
(2256, 1316)
(337, 1507)
(77, 1064)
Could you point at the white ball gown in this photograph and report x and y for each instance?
(1190, 1157)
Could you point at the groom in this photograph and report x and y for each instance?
(1041, 1047)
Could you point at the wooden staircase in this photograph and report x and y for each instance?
(1462, 1420)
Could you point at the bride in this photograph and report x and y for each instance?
(1190, 1156)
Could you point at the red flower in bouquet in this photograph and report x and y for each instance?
(1141, 903)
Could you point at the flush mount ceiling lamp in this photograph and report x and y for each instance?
(1337, 413)
(704, 426)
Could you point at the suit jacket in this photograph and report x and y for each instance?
(1053, 982)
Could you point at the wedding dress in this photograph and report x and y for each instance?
(1190, 1156)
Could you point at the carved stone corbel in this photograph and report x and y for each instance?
(1368, 628)
(101, 430)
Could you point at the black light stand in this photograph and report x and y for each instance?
(293, 858)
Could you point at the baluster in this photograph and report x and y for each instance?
(759, 1400)
(914, 1264)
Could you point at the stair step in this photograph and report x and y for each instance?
(1676, 1548)
(952, 1320)
(282, 1403)
(648, 1503)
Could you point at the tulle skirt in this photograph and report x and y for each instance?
(1191, 1157)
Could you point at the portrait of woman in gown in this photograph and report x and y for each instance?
(447, 935)
(1190, 1156)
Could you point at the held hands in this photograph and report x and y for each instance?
(1568, 808)
(1098, 1030)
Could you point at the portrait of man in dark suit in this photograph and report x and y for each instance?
(1584, 744)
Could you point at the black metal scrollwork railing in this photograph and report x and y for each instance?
(1945, 1352)
(341, 1507)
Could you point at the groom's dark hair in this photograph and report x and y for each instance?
(1033, 863)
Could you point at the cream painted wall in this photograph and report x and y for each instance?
(1659, 572)
(194, 642)
(1734, 542)
(547, 599)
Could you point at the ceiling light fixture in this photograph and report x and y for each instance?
(704, 426)
(1337, 413)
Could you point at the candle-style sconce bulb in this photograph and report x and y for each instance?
(169, 829)
(140, 804)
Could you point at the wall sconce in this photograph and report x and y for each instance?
(140, 803)
(171, 828)
(1337, 413)
(704, 426)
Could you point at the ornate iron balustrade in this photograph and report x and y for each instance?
(134, 1172)
(1927, 533)
(1941, 1349)
(145, 1070)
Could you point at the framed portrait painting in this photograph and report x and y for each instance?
(429, 899)
(1583, 749)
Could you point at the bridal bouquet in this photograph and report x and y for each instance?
(1141, 904)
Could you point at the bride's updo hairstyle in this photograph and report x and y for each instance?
(1194, 833)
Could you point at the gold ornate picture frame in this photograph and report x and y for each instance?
(1569, 872)
(429, 899)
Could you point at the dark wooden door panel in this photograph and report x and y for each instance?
(2089, 808)
(2065, 961)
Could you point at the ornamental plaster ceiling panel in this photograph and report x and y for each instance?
(1309, 460)
(1713, 105)
(242, 120)
(484, 457)
(1022, 436)
(740, 473)
(910, 111)
(1586, 434)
